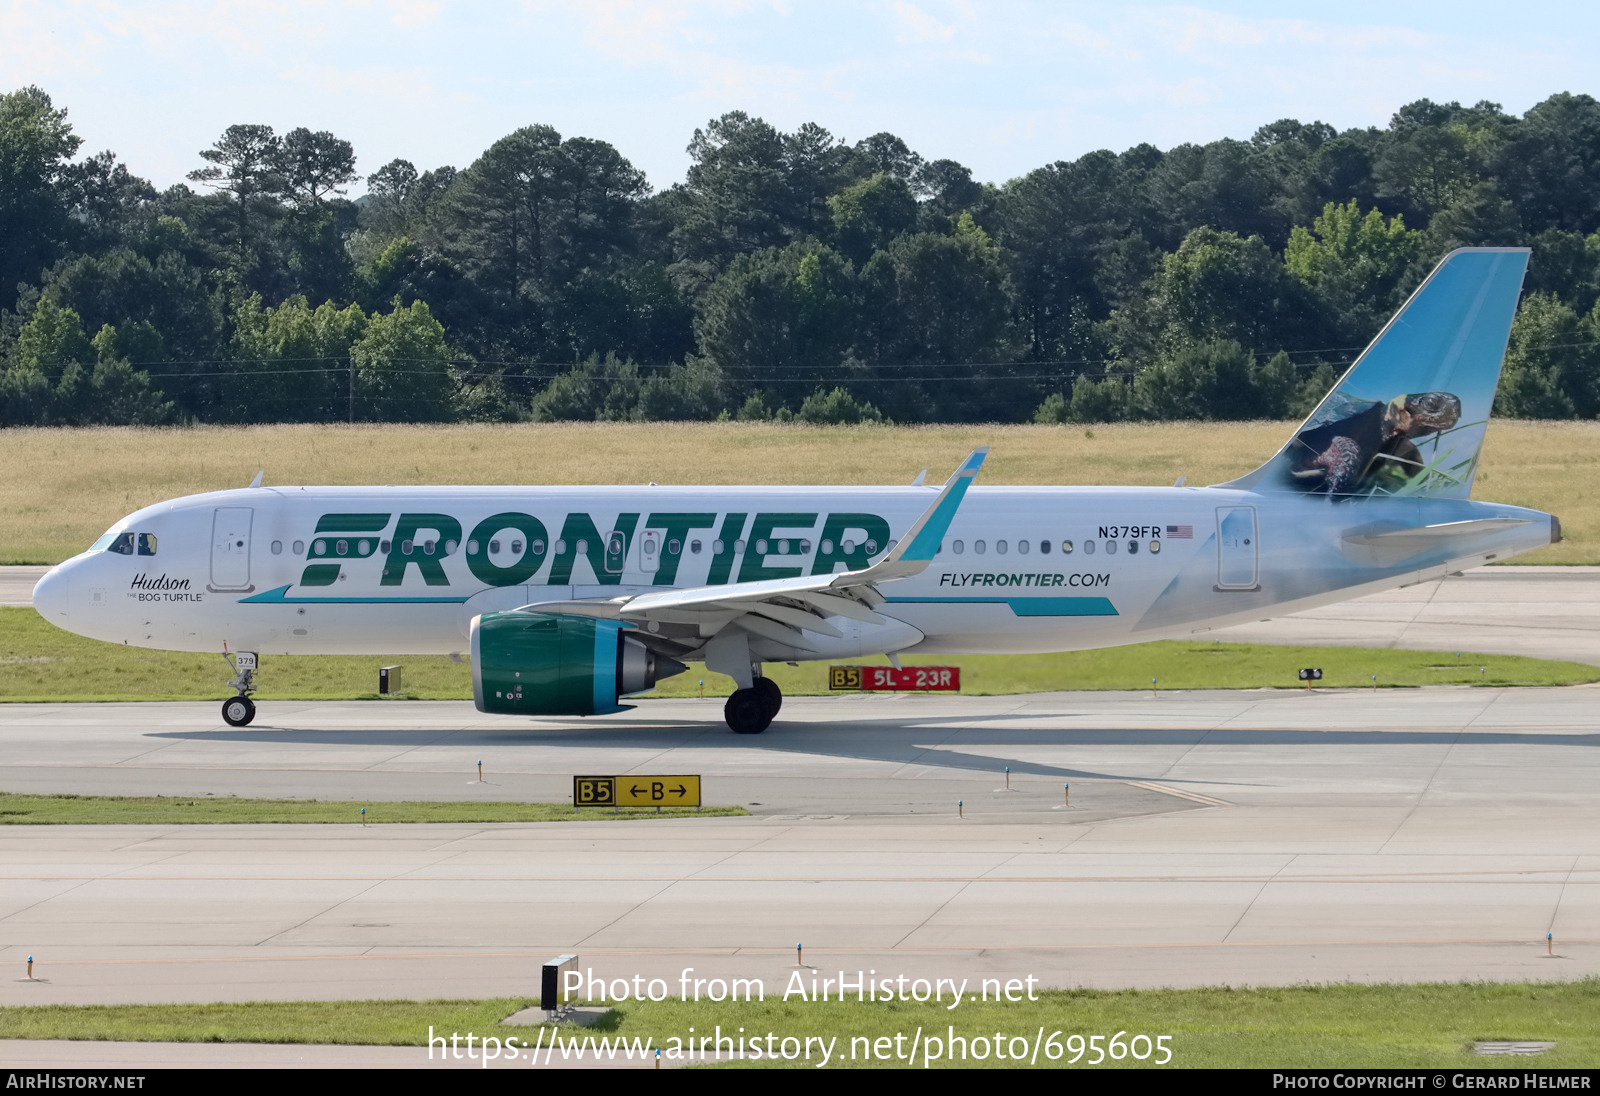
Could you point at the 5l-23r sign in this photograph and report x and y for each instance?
(893, 679)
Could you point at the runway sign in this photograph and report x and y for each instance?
(891, 679)
(636, 791)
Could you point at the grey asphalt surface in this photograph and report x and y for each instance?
(1261, 838)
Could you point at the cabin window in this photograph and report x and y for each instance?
(383, 546)
(277, 547)
(342, 547)
(872, 547)
(538, 547)
(1000, 547)
(299, 547)
(827, 547)
(805, 547)
(561, 547)
(583, 547)
(649, 546)
(427, 547)
(738, 546)
(363, 547)
(980, 547)
(716, 547)
(516, 546)
(449, 548)
(1111, 547)
(472, 547)
(761, 547)
(694, 547)
(847, 546)
(494, 546)
(1133, 547)
(1155, 547)
(1044, 547)
(957, 547)
(1088, 547)
(319, 547)
(674, 546)
(405, 547)
(1022, 547)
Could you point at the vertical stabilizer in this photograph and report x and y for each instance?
(1409, 416)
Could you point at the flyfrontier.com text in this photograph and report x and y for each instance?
(911, 1048)
(802, 985)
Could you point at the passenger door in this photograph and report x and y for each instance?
(230, 548)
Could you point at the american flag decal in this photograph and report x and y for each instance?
(1180, 532)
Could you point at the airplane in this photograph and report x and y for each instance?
(570, 599)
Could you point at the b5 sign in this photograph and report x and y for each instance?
(891, 679)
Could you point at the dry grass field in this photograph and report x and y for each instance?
(61, 488)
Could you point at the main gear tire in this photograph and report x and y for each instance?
(771, 694)
(746, 712)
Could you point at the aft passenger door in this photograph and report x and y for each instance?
(230, 548)
(1236, 548)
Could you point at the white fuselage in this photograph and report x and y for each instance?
(401, 570)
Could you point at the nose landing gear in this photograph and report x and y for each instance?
(238, 711)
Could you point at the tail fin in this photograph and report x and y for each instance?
(1409, 416)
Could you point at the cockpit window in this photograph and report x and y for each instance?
(126, 544)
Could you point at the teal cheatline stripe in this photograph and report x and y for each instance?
(280, 597)
(1026, 606)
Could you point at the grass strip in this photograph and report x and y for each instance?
(1332, 1026)
(93, 810)
(107, 472)
(42, 663)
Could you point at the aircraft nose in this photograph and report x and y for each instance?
(52, 595)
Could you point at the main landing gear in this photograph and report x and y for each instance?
(238, 711)
(751, 711)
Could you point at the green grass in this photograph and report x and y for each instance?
(1344, 1026)
(107, 472)
(39, 662)
(57, 810)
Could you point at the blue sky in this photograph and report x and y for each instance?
(1002, 86)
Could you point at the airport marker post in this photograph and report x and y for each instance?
(552, 982)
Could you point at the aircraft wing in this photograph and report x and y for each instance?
(780, 608)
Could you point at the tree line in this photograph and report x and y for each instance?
(789, 275)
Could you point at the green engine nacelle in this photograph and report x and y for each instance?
(555, 664)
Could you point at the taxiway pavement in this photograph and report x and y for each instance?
(1240, 838)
